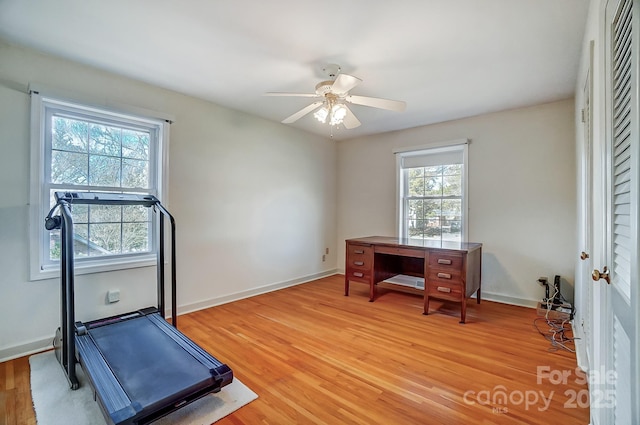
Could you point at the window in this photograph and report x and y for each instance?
(432, 201)
(81, 148)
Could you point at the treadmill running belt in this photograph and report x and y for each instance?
(130, 348)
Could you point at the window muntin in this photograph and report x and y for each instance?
(86, 152)
(434, 202)
(432, 194)
(86, 149)
(106, 230)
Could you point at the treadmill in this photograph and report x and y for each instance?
(140, 367)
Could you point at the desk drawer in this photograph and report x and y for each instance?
(361, 264)
(357, 251)
(404, 252)
(359, 258)
(356, 275)
(450, 290)
(438, 276)
(445, 260)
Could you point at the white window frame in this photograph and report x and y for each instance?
(40, 267)
(432, 148)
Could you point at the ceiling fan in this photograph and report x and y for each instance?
(332, 99)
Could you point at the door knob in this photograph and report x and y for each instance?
(604, 274)
(584, 255)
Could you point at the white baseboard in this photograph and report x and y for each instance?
(25, 349)
(506, 299)
(236, 296)
(46, 343)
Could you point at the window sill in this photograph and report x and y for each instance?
(91, 267)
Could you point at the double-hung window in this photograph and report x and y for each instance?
(432, 188)
(82, 148)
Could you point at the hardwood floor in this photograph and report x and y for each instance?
(314, 356)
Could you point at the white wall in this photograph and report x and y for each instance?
(257, 202)
(254, 202)
(522, 193)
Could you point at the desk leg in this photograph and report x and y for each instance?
(346, 285)
(426, 304)
(372, 290)
(479, 275)
(463, 312)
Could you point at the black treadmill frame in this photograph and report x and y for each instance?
(112, 398)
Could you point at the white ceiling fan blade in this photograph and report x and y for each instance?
(290, 94)
(376, 102)
(301, 113)
(344, 83)
(350, 121)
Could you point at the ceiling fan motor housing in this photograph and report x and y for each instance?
(323, 87)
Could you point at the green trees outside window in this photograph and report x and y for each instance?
(434, 202)
(87, 154)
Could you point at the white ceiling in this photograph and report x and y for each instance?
(446, 59)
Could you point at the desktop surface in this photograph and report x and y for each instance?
(417, 243)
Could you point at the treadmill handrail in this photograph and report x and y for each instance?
(65, 223)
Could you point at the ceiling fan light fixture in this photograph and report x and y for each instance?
(338, 112)
(322, 114)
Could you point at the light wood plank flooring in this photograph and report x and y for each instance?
(315, 356)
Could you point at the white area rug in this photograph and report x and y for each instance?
(56, 404)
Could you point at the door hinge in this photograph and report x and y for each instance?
(582, 117)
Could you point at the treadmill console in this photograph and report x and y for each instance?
(106, 198)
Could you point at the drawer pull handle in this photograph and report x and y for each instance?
(358, 251)
(358, 274)
(444, 275)
(443, 289)
(443, 261)
(358, 263)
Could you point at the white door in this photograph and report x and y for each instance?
(615, 386)
(584, 294)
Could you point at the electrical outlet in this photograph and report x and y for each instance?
(323, 258)
(326, 251)
(113, 296)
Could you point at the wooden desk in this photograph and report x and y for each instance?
(451, 270)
